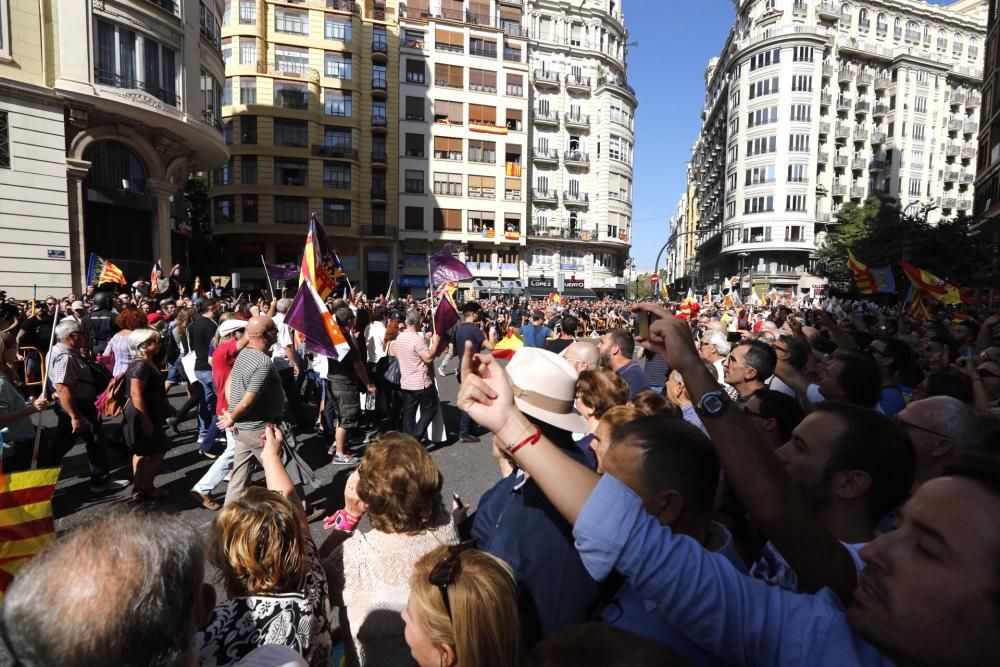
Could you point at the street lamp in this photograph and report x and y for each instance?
(743, 256)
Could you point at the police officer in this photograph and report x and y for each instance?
(100, 322)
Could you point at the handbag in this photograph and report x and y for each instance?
(188, 360)
(388, 368)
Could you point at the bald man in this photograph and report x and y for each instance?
(941, 428)
(583, 355)
(256, 399)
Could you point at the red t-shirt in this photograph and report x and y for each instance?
(222, 365)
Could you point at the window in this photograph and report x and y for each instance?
(915, 186)
(795, 203)
(449, 113)
(337, 175)
(118, 54)
(920, 104)
(512, 189)
(760, 175)
(758, 205)
(765, 58)
(416, 71)
(481, 114)
(919, 130)
(763, 87)
(620, 149)
(541, 257)
(446, 40)
(291, 132)
(248, 51)
(291, 60)
(290, 95)
(571, 260)
(336, 27)
(512, 52)
(802, 83)
(413, 39)
(291, 172)
(482, 80)
(447, 220)
(227, 51)
(378, 77)
(337, 212)
(292, 21)
(801, 112)
(482, 151)
(802, 54)
(414, 181)
(413, 218)
(448, 184)
(918, 159)
(227, 99)
(224, 174)
(414, 145)
(248, 169)
(762, 116)
(4, 140)
(337, 65)
(515, 84)
(483, 187)
(762, 145)
(248, 90)
(482, 47)
(211, 94)
(797, 173)
(734, 100)
(248, 129)
(922, 76)
(248, 12)
(734, 126)
(222, 210)
(449, 76)
(379, 113)
(798, 142)
(250, 208)
(337, 102)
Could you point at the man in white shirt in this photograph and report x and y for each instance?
(375, 337)
(286, 362)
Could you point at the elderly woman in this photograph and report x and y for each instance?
(463, 610)
(399, 487)
(270, 569)
(597, 391)
(145, 411)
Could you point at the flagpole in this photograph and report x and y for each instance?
(430, 293)
(38, 416)
(390, 289)
(268, 274)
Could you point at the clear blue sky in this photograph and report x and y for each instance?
(676, 39)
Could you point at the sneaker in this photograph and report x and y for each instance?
(205, 501)
(345, 460)
(108, 484)
(172, 423)
(470, 438)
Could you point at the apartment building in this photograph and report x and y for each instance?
(463, 91)
(309, 112)
(987, 200)
(813, 104)
(104, 110)
(582, 138)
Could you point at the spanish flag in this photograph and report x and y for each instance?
(508, 345)
(555, 298)
(930, 286)
(26, 523)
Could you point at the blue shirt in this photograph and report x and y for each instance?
(534, 335)
(891, 400)
(635, 377)
(739, 619)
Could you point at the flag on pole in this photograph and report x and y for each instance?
(287, 271)
(320, 265)
(864, 278)
(26, 523)
(445, 267)
(884, 282)
(445, 314)
(154, 278)
(310, 317)
(100, 271)
(930, 286)
(914, 304)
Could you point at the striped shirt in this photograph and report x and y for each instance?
(414, 374)
(253, 371)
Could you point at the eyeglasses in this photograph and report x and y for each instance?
(919, 428)
(444, 573)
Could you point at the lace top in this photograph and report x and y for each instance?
(370, 578)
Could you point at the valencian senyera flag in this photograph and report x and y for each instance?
(100, 271)
(26, 524)
(320, 265)
(864, 279)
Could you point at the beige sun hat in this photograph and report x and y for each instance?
(545, 388)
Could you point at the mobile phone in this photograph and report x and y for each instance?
(457, 499)
(642, 330)
(734, 336)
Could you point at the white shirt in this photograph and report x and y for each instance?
(278, 357)
(375, 339)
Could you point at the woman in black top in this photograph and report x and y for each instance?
(145, 411)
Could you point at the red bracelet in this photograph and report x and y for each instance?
(530, 440)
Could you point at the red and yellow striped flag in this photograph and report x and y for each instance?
(26, 523)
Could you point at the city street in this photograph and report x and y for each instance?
(468, 469)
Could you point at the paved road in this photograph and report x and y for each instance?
(468, 469)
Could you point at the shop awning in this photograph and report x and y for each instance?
(579, 293)
(539, 291)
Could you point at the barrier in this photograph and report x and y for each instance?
(29, 382)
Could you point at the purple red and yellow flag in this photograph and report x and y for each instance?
(309, 316)
(320, 265)
(26, 523)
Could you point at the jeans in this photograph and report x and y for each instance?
(219, 468)
(208, 442)
(464, 421)
(427, 400)
(92, 434)
(206, 406)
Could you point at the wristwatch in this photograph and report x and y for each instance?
(712, 403)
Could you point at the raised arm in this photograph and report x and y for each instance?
(276, 475)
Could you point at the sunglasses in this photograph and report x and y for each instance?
(444, 573)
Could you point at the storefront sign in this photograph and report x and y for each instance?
(569, 282)
(540, 282)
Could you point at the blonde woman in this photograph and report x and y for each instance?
(462, 610)
(270, 568)
(398, 485)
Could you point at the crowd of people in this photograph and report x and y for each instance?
(726, 485)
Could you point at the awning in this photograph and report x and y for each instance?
(578, 293)
(539, 291)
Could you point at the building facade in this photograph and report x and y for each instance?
(582, 138)
(104, 110)
(463, 88)
(309, 111)
(987, 200)
(813, 104)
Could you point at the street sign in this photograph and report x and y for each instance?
(654, 278)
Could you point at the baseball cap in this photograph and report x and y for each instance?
(77, 305)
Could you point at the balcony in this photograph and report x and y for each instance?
(545, 155)
(859, 164)
(380, 51)
(952, 150)
(845, 76)
(545, 79)
(828, 69)
(865, 79)
(336, 152)
(545, 117)
(800, 7)
(842, 132)
(882, 82)
(380, 87)
(972, 101)
(857, 192)
(825, 99)
(110, 78)
(969, 152)
(964, 204)
(378, 194)
(965, 178)
(576, 158)
(862, 107)
(877, 165)
(824, 129)
(860, 134)
(544, 196)
(827, 11)
(168, 5)
(912, 36)
(880, 110)
(957, 97)
(839, 190)
(878, 137)
(379, 158)
(822, 157)
(843, 103)
(577, 120)
(578, 83)
(383, 230)
(840, 161)
(970, 127)
(942, 44)
(576, 199)
(948, 202)
(954, 124)
(379, 123)
(950, 176)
